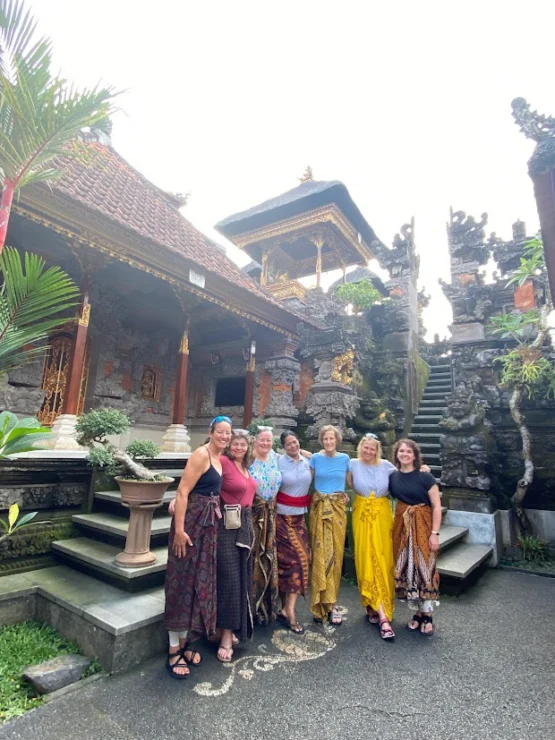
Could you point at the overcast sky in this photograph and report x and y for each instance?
(407, 103)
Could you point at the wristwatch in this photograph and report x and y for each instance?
(435, 532)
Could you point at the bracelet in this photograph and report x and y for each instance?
(435, 533)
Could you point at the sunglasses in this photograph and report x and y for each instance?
(369, 435)
(217, 419)
(240, 433)
(265, 429)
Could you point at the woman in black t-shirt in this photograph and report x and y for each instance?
(415, 535)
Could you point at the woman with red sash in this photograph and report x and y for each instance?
(293, 552)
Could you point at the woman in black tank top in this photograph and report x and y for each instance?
(191, 573)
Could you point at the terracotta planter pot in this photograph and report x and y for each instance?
(141, 498)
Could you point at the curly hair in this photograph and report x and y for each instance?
(414, 447)
(247, 460)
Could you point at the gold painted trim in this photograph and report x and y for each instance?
(184, 346)
(85, 316)
(288, 289)
(325, 214)
(108, 249)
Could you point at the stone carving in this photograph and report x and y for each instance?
(343, 368)
(284, 378)
(540, 129)
(466, 443)
(328, 403)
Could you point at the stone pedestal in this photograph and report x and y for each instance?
(331, 403)
(137, 545)
(65, 436)
(176, 439)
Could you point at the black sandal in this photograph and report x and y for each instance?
(386, 632)
(415, 618)
(427, 619)
(194, 653)
(181, 663)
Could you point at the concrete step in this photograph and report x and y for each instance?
(436, 469)
(431, 410)
(437, 388)
(422, 437)
(432, 458)
(435, 396)
(110, 524)
(429, 447)
(450, 535)
(438, 380)
(427, 418)
(97, 559)
(461, 560)
(424, 427)
(433, 403)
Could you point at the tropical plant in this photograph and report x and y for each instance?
(93, 430)
(41, 114)
(12, 525)
(20, 435)
(30, 295)
(533, 548)
(362, 295)
(525, 371)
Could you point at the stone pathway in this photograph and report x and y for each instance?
(488, 673)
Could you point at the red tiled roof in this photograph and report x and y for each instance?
(115, 189)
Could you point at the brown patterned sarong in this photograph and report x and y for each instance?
(265, 572)
(191, 581)
(328, 524)
(293, 553)
(235, 606)
(416, 574)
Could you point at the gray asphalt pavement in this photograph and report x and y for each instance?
(487, 673)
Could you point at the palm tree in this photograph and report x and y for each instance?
(29, 296)
(41, 115)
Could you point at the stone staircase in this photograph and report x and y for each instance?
(103, 536)
(459, 561)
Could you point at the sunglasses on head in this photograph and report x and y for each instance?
(240, 433)
(217, 419)
(370, 435)
(265, 429)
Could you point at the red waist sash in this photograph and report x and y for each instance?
(299, 502)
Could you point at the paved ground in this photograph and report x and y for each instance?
(488, 673)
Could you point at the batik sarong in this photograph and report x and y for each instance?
(416, 574)
(328, 523)
(372, 531)
(293, 553)
(235, 605)
(191, 580)
(265, 572)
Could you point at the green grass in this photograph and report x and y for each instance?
(22, 645)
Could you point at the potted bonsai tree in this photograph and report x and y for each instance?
(142, 490)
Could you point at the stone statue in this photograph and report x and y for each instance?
(466, 443)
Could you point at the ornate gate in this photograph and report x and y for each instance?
(55, 377)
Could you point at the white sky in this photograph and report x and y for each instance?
(408, 103)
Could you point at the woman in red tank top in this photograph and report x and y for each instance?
(234, 561)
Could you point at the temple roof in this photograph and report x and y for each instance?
(308, 195)
(110, 186)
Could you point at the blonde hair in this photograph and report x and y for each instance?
(330, 428)
(379, 451)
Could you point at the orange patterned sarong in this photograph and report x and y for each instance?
(416, 574)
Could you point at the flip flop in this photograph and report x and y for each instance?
(297, 628)
(228, 650)
(335, 618)
(415, 618)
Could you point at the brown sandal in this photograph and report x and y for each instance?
(386, 632)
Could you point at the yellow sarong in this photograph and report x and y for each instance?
(327, 523)
(372, 531)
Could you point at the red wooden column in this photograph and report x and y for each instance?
(73, 388)
(249, 386)
(180, 394)
(176, 439)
